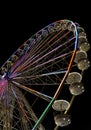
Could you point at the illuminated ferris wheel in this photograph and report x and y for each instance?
(35, 74)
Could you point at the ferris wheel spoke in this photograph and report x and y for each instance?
(27, 112)
(54, 61)
(30, 63)
(41, 47)
(41, 75)
(41, 95)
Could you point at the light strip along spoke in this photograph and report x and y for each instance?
(30, 59)
(41, 95)
(45, 55)
(27, 57)
(46, 74)
(40, 65)
(43, 48)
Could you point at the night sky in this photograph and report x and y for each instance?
(19, 21)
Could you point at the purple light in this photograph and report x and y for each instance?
(3, 84)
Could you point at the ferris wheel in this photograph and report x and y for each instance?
(32, 79)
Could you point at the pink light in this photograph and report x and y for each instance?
(3, 84)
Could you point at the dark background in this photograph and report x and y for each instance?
(18, 21)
